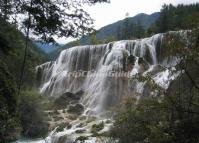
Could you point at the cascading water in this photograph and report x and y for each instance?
(99, 60)
(101, 91)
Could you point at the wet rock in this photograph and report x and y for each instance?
(72, 116)
(81, 138)
(65, 99)
(91, 119)
(131, 59)
(76, 109)
(80, 131)
(130, 62)
(69, 126)
(81, 125)
(156, 69)
(143, 65)
(58, 118)
(62, 126)
(62, 139)
(82, 118)
(148, 56)
(97, 127)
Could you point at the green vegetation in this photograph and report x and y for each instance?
(95, 41)
(97, 127)
(176, 18)
(115, 31)
(130, 30)
(173, 118)
(9, 121)
(32, 115)
(12, 45)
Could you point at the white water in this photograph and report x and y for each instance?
(102, 92)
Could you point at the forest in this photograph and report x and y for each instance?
(172, 117)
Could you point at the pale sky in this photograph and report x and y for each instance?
(107, 13)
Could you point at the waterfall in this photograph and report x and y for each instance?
(105, 74)
(96, 62)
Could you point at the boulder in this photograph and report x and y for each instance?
(130, 62)
(66, 98)
(143, 65)
(76, 109)
(156, 69)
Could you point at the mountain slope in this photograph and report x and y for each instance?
(110, 31)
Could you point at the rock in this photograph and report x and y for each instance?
(80, 131)
(69, 126)
(82, 118)
(91, 119)
(62, 126)
(81, 138)
(143, 65)
(156, 69)
(66, 98)
(81, 125)
(131, 59)
(62, 139)
(72, 116)
(130, 62)
(76, 109)
(58, 118)
(97, 127)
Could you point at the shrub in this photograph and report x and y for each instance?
(97, 127)
(32, 115)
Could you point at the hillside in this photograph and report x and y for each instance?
(110, 30)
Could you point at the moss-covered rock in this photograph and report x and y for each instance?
(97, 127)
(82, 138)
(62, 126)
(76, 109)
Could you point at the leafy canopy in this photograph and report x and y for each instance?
(49, 18)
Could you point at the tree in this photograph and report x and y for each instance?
(138, 29)
(93, 38)
(6, 8)
(176, 18)
(48, 18)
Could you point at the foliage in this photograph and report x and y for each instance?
(6, 8)
(11, 51)
(97, 127)
(95, 41)
(176, 18)
(9, 121)
(152, 120)
(32, 115)
(47, 18)
(130, 30)
(11, 54)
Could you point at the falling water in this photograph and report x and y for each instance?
(101, 91)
